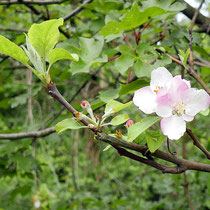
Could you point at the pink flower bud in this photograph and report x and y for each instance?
(129, 123)
(85, 104)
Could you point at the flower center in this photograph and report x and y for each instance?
(179, 108)
(157, 89)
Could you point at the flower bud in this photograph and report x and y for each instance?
(118, 134)
(129, 123)
(85, 105)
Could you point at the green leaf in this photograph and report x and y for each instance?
(44, 36)
(84, 67)
(116, 105)
(67, 124)
(11, 49)
(61, 54)
(205, 112)
(120, 119)
(108, 95)
(184, 56)
(154, 139)
(132, 19)
(90, 53)
(91, 48)
(135, 130)
(123, 63)
(133, 86)
(143, 69)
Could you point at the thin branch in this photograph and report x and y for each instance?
(152, 163)
(12, 2)
(53, 91)
(202, 21)
(23, 135)
(139, 35)
(14, 29)
(182, 164)
(197, 143)
(77, 10)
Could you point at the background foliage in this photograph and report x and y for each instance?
(70, 170)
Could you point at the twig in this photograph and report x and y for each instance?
(190, 33)
(77, 10)
(191, 60)
(168, 147)
(126, 39)
(14, 29)
(53, 91)
(202, 21)
(117, 56)
(139, 35)
(164, 169)
(37, 134)
(12, 2)
(197, 143)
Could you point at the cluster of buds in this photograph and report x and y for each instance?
(98, 121)
(94, 121)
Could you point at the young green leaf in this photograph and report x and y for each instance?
(11, 49)
(116, 105)
(61, 54)
(120, 119)
(44, 36)
(135, 130)
(67, 124)
(154, 139)
(133, 86)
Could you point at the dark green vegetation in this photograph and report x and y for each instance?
(70, 170)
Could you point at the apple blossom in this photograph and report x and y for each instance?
(173, 99)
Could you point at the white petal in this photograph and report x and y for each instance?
(174, 127)
(160, 77)
(187, 117)
(145, 100)
(195, 100)
(164, 110)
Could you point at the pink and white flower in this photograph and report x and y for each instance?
(173, 99)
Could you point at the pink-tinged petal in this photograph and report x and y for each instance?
(164, 98)
(174, 127)
(160, 78)
(187, 83)
(164, 110)
(179, 84)
(174, 93)
(187, 117)
(195, 100)
(145, 100)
